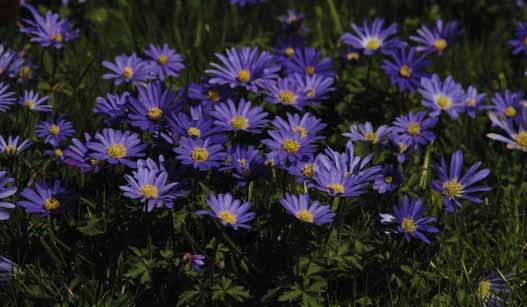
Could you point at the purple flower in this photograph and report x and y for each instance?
(245, 163)
(310, 61)
(293, 21)
(409, 218)
(491, 288)
(11, 147)
(201, 154)
(286, 91)
(516, 136)
(113, 107)
(454, 186)
(447, 96)
(387, 180)
(78, 155)
(507, 105)
(7, 98)
(55, 130)
(373, 38)
(48, 30)
(127, 69)
(153, 104)
(312, 213)
(289, 146)
(166, 62)
(194, 126)
(304, 171)
(316, 87)
(7, 269)
(405, 69)
(7, 59)
(287, 49)
(413, 128)
(438, 38)
(519, 42)
(5, 192)
(366, 132)
(229, 211)
(307, 125)
(241, 117)
(45, 199)
(197, 261)
(473, 101)
(116, 147)
(209, 94)
(33, 102)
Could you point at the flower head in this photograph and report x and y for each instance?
(6, 190)
(289, 146)
(79, 155)
(197, 261)
(240, 117)
(301, 208)
(491, 288)
(516, 134)
(387, 180)
(286, 49)
(447, 96)
(245, 163)
(127, 69)
(519, 42)
(293, 22)
(116, 147)
(12, 146)
(112, 107)
(308, 125)
(48, 30)
(196, 126)
(7, 98)
(406, 68)
(310, 61)
(438, 38)
(202, 154)
(149, 111)
(371, 38)
(55, 130)
(414, 128)
(473, 101)
(286, 91)
(229, 211)
(316, 87)
(33, 102)
(45, 199)
(507, 105)
(366, 132)
(165, 62)
(208, 94)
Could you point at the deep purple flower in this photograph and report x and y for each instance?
(209, 94)
(447, 96)
(240, 117)
(491, 289)
(310, 61)
(149, 110)
(7, 98)
(473, 101)
(245, 163)
(6, 190)
(519, 42)
(308, 125)
(55, 130)
(202, 154)
(405, 68)
(197, 125)
(304, 171)
(516, 136)
(7, 58)
(293, 21)
(80, 156)
(286, 49)
(437, 38)
(306, 211)
(229, 211)
(45, 199)
(166, 62)
(33, 102)
(373, 38)
(127, 69)
(366, 132)
(48, 30)
(197, 261)
(117, 147)
(286, 91)
(316, 87)
(414, 128)
(387, 180)
(289, 146)
(12, 146)
(112, 107)
(507, 105)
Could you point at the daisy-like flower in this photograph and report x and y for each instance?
(55, 153)
(229, 211)
(112, 107)
(473, 101)
(200, 127)
(414, 128)
(401, 146)
(6, 190)
(371, 38)
(490, 288)
(507, 105)
(13, 146)
(387, 180)
(242, 67)
(7, 57)
(316, 87)
(241, 117)
(150, 185)
(286, 91)
(202, 154)
(310, 61)
(447, 96)
(117, 147)
(301, 208)
(55, 130)
(304, 171)
(209, 94)
(455, 186)
(516, 136)
(245, 163)
(7, 268)
(45, 199)
(78, 155)
(408, 216)
(23, 69)
(243, 3)
(153, 104)
(127, 69)
(48, 30)
(7, 98)
(33, 102)
(308, 125)
(367, 133)
(519, 42)
(195, 260)
(289, 146)
(438, 38)
(406, 68)
(166, 62)
(293, 21)
(286, 49)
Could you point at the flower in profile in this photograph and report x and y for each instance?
(293, 21)
(55, 130)
(13, 146)
(473, 101)
(48, 30)
(202, 154)
(23, 69)
(414, 128)
(316, 87)
(408, 215)
(367, 133)
(310, 61)
(516, 136)
(229, 211)
(286, 91)
(7, 98)
(490, 289)
(371, 38)
(455, 186)
(438, 38)
(447, 96)
(242, 3)
(46, 199)
(6, 190)
(166, 62)
(308, 125)
(7, 269)
(242, 67)
(149, 110)
(289, 146)
(78, 155)
(245, 163)
(209, 94)
(56, 153)
(195, 260)
(116, 147)
(507, 105)
(33, 102)
(112, 107)
(519, 42)
(301, 208)
(406, 68)
(7, 57)
(127, 69)
(197, 125)
(240, 117)
(387, 180)
(401, 146)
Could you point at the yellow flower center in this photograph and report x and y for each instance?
(291, 19)
(452, 188)
(308, 169)
(148, 191)
(239, 122)
(213, 95)
(372, 43)
(510, 111)
(227, 218)
(162, 59)
(311, 93)
(57, 37)
(521, 139)
(51, 204)
(128, 72)
(58, 152)
(310, 70)
(484, 289)
(443, 102)
(301, 130)
(440, 45)
(200, 154)
(289, 52)
(305, 216)
(402, 147)
(388, 179)
(25, 72)
(244, 76)
(336, 188)
(30, 104)
(116, 151)
(471, 102)
(242, 162)
(193, 131)
(10, 150)
(287, 97)
(405, 71)
(408, 224)
(414, 128)
(352, 56)
(54, 129)
(371, 137)
(154, 113)
(290, 146)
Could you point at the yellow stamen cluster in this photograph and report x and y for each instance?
(305, 216)
(290, 146)
(308, 169)
(452, 188)
(510, 111)
(372, 44)
(388, 179)
(25, 72)
(162, 59)
(194, 131)
(471, 102)
(287, 97)
(440, 45)
(289, 52)
(128, 72)
(58, 152)
(155, 113)
(484, 289)
(414, 128)
(10, 150)
(200, 154)
(117, 151)
(244, 76)
(521, 139)
(443, 102)
(352, 56)
(30, 104)
(408, 225)
(149, 191)
(405, 71)
(227, 217)
(301, 130)
(310, 70)
(371, 137)
(57, 37)
(239, 122)
(54, 130)
(213, 95)
(336, 188)
(51, 204)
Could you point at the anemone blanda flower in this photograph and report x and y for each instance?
(240, 117)
(202, 154)
(6, 190)
(243, 67)
(519, 42)
(373, 38)
(229, 211)
(200, 126)
(414, 128)
(289, 146)
(366, 132)
(408, 216)
(316, 87)
(455, 186)
(490, 290)
(13, 145)
(293, 21)
(401, 146)
(47, 198)
(286, 49)
(153, 103)
(387, 180)
(79, 155)
(7, 98)
(405, 68)
(507, 104)
(303, 170)
(306, 211)
(473, 101)
(48, 30)
(166, 62)
(244, 162)
(447, 96)
(286, 91)
(308, 125)
(195, 260)
(209, 94)
(116, 147)
(23, 69)
(112, 107)
(56, 153)
(7, 57)
(310, 61)
(516, 136)
(437, 38)
(55, 130)
(33, 102)
(127, 69)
